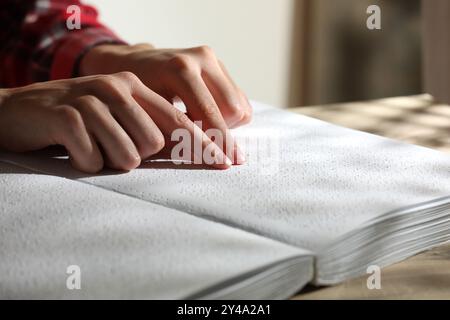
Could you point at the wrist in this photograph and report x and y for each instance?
(108, 58)
(99, 60)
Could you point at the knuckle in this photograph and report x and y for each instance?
(182, 62)
(124, 161)
(113, 86)
(155, 144)
(106, 84)
(128, 76)
(236, 111)
(209, 110)
(106, 80)
(181, 119)
(70, 117)
(95, 165)
(88, 100)
(143, 46)
(158, 143)
(246, 118)
(206, 51)
(128, 162)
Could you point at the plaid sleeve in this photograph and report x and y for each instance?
(37, 45)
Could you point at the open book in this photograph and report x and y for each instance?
(319, 205)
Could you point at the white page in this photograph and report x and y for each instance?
(125, 247)
(324, 182)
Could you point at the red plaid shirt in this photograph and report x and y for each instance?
(36, 44)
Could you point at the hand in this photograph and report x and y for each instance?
(194, 75)
(107, 119)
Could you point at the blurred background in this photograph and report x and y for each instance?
(288, 52)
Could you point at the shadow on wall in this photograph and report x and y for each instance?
(336, 58)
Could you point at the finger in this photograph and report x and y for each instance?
(168, 118)
(244, 103)
(201, 106)
(115, 91)
(223, 90)
(121, 153)
(70, 131)
(225, 94)
(145, 134)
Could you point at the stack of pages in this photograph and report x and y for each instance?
(315, 203)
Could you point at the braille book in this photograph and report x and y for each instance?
(315, 203)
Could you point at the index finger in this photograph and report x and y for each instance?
(201, 106)
(168, 118)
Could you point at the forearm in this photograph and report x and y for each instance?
(109, 58)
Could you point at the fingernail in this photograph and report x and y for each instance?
(220, 158)
(228, 161)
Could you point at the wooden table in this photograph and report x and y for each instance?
(417, 120)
